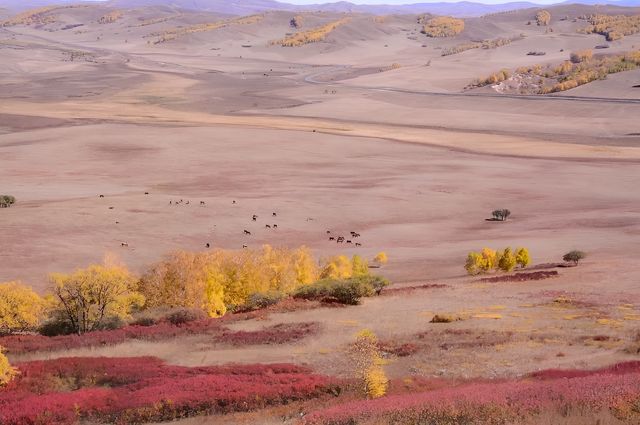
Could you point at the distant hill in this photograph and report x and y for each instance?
(245, 7)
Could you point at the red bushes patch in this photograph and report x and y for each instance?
(521, 277)
(278, 334)
(616, 388)
(143, 389)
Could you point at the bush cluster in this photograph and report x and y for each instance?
(613, 27)
(443, 26)
(344, 291)
(488, 260)
(485, 44)
(543, 18)
(175, 33)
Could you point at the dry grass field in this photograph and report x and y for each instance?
(369, 128)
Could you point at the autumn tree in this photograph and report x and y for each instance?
(7, 373)
(543, 18)
(381, 258)
(581, 56)
(87, 298)
(21, 309)
(574, 256)
(522, 257)
(443, 26)
(501, 214)
(507, 261)
(368, 363)
(474, 264)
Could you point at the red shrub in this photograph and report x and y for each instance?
(617, 388)
(278, 334)
(139, 389)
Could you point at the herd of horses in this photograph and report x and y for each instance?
(254, 218)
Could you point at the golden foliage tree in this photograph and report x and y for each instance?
(368, 364)
(87, 298)
(522, 257)
(359, 266)
(381, 258)
(219, 280)
(21, 309)
(543, 17)
(338, 267)
(507, 260)
(7, 373)
(489, 259)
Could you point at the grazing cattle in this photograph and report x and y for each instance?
(340, 239)
(125, 244)
(246, 232)
(245, 246)
(275, 226)
(110, 208)
(202, 203)
(332, 238)
(267, 226)
(233, 202)
(254, 218)
(117, 222)
(328, 232)
(146, 193)
(170, 202)
(349, 242)
(187, 202)
(274, 214)
(358, 244)
(102, 196)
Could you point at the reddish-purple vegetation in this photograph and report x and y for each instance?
(616, 388)
(405, 289)
(521, 277)
(278, 334)
(143, 389)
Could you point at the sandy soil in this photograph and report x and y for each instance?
(401, 156)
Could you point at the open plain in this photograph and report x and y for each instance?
(106, 127)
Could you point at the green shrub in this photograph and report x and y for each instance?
(259, 301)
(185, 315)
(6, 201)
(343, 291)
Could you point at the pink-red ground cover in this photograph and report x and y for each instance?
(616, 389)
(144, 389)
(278, 334)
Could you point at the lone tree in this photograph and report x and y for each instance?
(6, 201)
(574, 256)
(501, 215)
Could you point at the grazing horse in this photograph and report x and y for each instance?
(274, 214)
(233, 202)
(245, 246)
(202, 203)
(267, 226)
(332, 238)
(102, 196)
(110, 208)
(246, 232)
(275, 226)
(255, 217)
(125, 244)
(358, 244)
(349, 242)
(328, 232)
(340, 239)
(146, 193)
(208, 245)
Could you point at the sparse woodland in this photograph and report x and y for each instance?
(443, 26)
(313, 35)
(613, 27)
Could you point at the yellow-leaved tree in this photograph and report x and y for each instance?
(522, 257)
(489, 258)
(338, 267)
(7, 373)
(21, 309)
(368, 363)
(507, 261)
(359, 266)
(88, 298)
(381, 258)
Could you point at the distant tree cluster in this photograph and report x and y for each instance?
(296, 22)
(110, 17)
(311, 36)
(485, 44)
(488, 260)
(6, 201)
(443, 26)
(543, 18)
(583, 68)
(613, 27)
